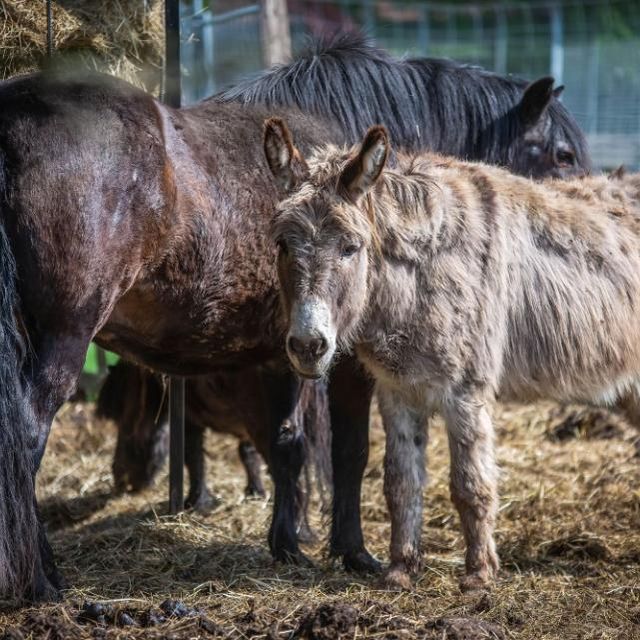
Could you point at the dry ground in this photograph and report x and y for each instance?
(568, 535)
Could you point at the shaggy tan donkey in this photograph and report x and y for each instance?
(455, 282)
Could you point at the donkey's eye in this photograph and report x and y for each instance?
(282, 247)
(350, 249)
(565, 158)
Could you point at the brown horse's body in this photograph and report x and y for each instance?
(141, 227)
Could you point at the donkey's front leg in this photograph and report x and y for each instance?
(473, 484)
(404, 478)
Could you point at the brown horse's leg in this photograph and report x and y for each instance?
(251, 461)
(350, 393)
(287, 455)
(199, 497)
(473, 484)
(51, 377)
(404, 479)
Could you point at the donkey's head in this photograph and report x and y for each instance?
(549, 142)
(324, 234)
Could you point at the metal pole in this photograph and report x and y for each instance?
(176, 444)
(557, 44)
(49, 29)
(173, 97)
(500, 51)
(172, 79)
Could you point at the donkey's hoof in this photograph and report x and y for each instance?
(397, 579)
(361, 562)
(306, 535)
(474, 582)
(253, 492)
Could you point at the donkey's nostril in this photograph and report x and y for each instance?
(296, 345)
(308, 347)
(318, 346)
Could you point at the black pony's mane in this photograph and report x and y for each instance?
(425, 103)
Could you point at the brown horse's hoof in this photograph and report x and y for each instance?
(45, 591)
(397, 579)
(296, 558)
(361, 562)
(474, 583)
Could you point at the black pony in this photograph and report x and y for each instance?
(146, 228)
(427, 103)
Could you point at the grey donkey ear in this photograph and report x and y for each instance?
(536, 99)
(285, 161)
(363, 170)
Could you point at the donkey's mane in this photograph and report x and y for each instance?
(432, 103)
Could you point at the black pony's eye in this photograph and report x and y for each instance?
(282, 246)
(534, 149)
(565, 158)
(349, 249)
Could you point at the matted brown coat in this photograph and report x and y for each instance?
(456, 282)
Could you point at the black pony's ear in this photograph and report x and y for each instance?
(364, 169)
(285, 161)
(618, 174)
(536, 99)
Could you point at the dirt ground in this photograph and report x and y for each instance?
(568, 536)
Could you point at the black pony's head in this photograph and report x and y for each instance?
(426, 104)
(548, 142)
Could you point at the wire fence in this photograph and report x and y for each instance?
(593, 47)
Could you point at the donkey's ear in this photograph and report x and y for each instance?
(535, 100)
(284, 160)
(362, 171)
(557, 92)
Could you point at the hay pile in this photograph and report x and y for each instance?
(568, 535)
(121, 37)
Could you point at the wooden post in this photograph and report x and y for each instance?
(276, 37)
(173, 97)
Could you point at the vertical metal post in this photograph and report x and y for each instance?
(49, 29)
(557, 44)
(176, 444)
(172, 78)
(423, 30)
(501, 44)
(173, 97)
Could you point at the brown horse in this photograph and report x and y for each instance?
(145, 228)
(232, 403)
(456, 282)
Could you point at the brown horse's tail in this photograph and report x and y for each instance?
(18, 520)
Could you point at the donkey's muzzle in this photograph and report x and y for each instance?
(308, 348)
